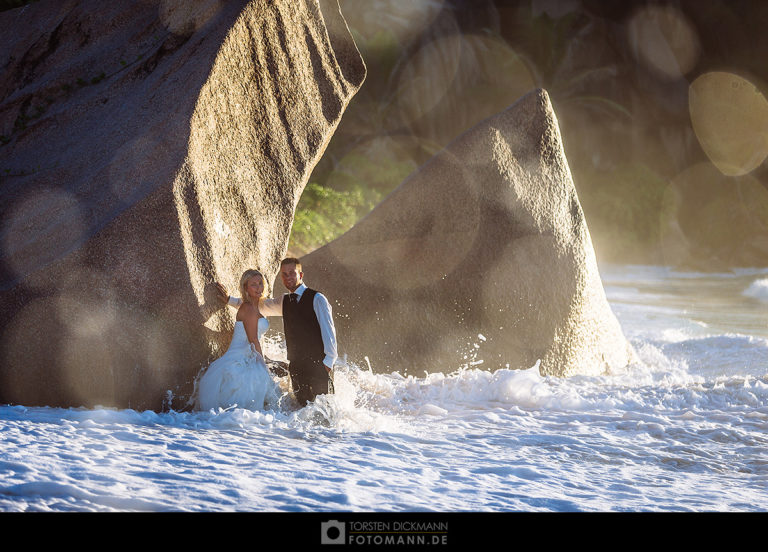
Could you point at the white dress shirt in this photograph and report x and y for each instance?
(273, 306)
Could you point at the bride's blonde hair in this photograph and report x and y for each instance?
(247, 275)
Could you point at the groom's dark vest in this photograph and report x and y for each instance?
(302, 330)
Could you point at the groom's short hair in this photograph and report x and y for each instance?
(291, 260)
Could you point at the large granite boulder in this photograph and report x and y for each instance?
(148, 150)
(482, 258)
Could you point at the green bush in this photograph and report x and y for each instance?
(323, 214)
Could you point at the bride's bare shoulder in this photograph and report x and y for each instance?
(248, 311)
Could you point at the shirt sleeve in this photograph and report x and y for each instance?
(327, 329)
(272, 306)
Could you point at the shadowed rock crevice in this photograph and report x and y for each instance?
(151, 186)
(43, 48)
(480, 258)
(324, 88)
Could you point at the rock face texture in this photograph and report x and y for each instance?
(480, 258)
(148, 150)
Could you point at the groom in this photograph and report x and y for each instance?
(310, 335)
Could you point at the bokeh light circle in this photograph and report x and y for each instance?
(664, 40)
(730, 118)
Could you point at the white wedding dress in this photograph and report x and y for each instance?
(239, 377)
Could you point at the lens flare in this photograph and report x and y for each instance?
(46, 224)
(128, 166)
(708, 217)
(184, 18)
(404, 19)
(454, 82)
(382, 162)
(408, 226)
(730, 118)
(428, 76)
(663, 39)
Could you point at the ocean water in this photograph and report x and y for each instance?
(685, 429)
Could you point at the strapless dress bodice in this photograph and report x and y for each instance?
(240, 343)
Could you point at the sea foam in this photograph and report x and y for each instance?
(758, 290)
(683, 429)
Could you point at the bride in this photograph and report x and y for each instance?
(240, 376)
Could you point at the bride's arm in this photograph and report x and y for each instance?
(249, 315)
(224, 297)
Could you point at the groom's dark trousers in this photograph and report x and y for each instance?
(304, 342)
